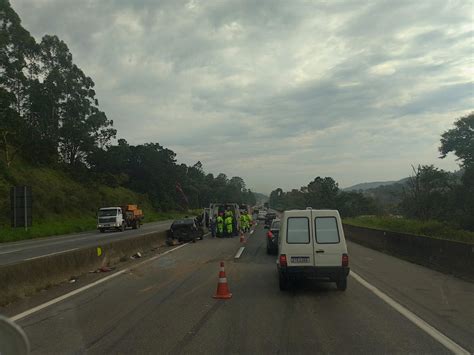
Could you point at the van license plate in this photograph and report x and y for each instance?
(300, 259)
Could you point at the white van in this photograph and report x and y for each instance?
(311, 244)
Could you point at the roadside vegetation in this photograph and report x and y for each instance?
(63, 225)
(63, 205)
(430, 228)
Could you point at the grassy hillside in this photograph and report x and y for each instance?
(60, 204)
(433, 229)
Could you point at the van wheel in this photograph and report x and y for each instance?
(123, 227)
(283, 282)
(342, 283)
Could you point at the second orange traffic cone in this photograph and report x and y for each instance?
(222, 287)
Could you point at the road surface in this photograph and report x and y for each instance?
(35, 248)
(165, 306)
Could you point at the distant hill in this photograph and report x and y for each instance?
(387, 194)
(261, 198)
(368, 185)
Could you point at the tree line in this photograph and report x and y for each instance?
(429, 193)
(50, 115)
(323, 193)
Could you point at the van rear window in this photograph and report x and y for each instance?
(297, 230)
(326, 230)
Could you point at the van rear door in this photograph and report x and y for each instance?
(329, 244)
(299, 244)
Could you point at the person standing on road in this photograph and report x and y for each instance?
(249, 220)
(243, 222)
(220, 225)
(212, 226)
(229, 223)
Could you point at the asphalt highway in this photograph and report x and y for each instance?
(165, 306)
(15, 252)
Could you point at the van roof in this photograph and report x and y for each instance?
(315, 212)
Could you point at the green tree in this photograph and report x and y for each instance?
(17, 49)
(460, 140)
(322, 193)
(73, 113)
(427, 195)
(11, 127)
(352, 204)
(277, 199)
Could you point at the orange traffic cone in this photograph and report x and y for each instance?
(222, 292)
(242, 237)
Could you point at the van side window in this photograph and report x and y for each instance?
(297, 230)
(326, 230)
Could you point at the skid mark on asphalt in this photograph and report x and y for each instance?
(125, 318)
(196, 328)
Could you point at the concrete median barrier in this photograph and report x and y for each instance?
(447, 256)
(25, 278)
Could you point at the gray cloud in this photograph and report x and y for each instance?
(276, 92)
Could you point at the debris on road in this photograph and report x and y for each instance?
(242, 237)
(103, 269)
(137, 255)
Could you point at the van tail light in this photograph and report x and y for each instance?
(345, 260)
(269, 234)
(283, 261)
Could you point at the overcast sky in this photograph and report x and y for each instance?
(277, 92)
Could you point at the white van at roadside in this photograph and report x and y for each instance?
(311, 244)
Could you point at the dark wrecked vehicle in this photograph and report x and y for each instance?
(184, 230)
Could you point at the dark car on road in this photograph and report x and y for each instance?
(184, 230)
(272, 237)
(269, 218)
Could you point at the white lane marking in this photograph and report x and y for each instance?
(10, 251)
(420, 323)
(239, 252)
(70, 239)
(45, 255)
(79, 290)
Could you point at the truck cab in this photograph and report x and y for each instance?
(311, 244)
(110, 218)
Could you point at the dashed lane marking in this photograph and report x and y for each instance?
(239, 252)
(45, 255)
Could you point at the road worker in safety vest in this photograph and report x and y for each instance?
(220, 225)
(229, 224)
